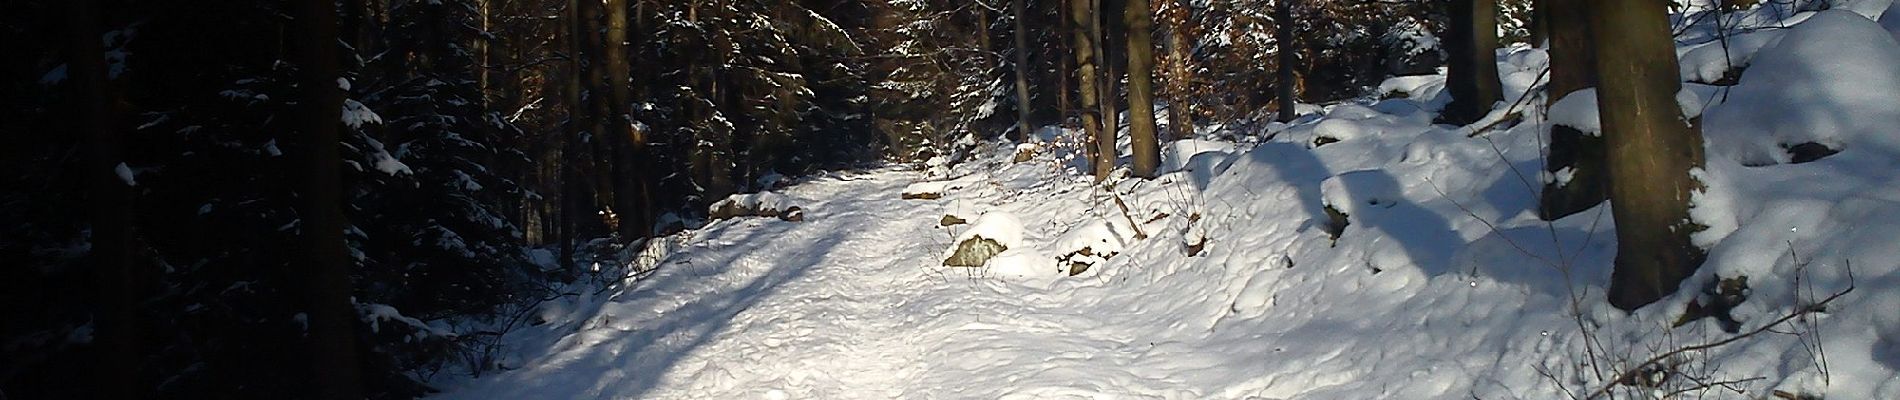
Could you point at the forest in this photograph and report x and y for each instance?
(391, 199)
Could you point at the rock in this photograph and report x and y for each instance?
(990, 234)
(1809, 151)
(949, 220)
(1025, 152)
(973, 252)
(762, 204)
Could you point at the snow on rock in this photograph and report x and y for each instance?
(1577, 110)
(1189, 154)
(991, 234)
(761, 204)
(1712, 62)
(1355, 191)
(125, 174)
(1832, 80)
(1347, 122)
(1091, 244)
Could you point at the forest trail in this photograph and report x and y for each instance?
(850, 303)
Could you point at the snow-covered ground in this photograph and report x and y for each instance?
(1222, 278)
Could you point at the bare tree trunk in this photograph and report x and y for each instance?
(620, 132)
(484, 54)
(1066, 68)
(1573, 68)
(1473, 66)
(1107, 78)
(985, 48)
(1141, 118)
(1086, 28)
(325, 270)
(1285, 77)
(1651, 151)
(1180, 114)
(601, 143)
(109, 199)
(1022, 70)
(571, 93)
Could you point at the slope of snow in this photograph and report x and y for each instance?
(1833, 80)
(1444, 284)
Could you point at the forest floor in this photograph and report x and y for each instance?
(1228, 280)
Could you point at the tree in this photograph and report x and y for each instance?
(1105, 28)
(1572, 68)
(1283, 40)
(1180, 114)
(1651, 151)
(110, 202)
(1473, 76)
(1022, 69)
(1141, 117)
(325, 270)
(1086, 28)
(625, 141)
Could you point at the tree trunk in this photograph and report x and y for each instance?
(325, 270)
(1022, 70)
(1107, 78)
(1651, 151)
(1180, 114)
(985, 48)
(1085, 26)
(1540, 22)
(620, 132)
(110, 202)
(1141, 116)
(484, 54)
(1285, 77)
(1473, 65)
(570, 203)
(1573, 68)
(1066, 70)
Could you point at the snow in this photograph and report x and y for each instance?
(1711, 61)
(1445, 285)
(1832, 80)
(355, 114)
(1001, 227)
(1577, 110)
(125, 174)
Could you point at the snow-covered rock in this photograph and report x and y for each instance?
(992, 234)
(1832, 80)
(761, 204)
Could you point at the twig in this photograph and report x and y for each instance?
(1638, 369)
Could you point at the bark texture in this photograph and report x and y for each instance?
(1084, 25)
(1285, 77)
(325, 270)
(1651, 150)
(1141, 118)
(1572, 68)
(1473, 66)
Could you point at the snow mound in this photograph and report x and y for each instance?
(991, 235)
(1833, 80)
(761, 204)
(1711, 62)
(1091, 244)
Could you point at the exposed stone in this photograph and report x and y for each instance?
(973, 252)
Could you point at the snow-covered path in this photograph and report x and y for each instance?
(1232, 282)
